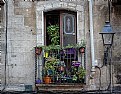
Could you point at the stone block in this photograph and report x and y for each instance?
(18, 11)
(80, 17)
(15, 88)
(79, 8)
(28, 21)
(56, 5)
(72, 5)
(25, 4)
(19, 20)
(48, 6)
(64, 4)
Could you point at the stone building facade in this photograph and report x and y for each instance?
(22, 25)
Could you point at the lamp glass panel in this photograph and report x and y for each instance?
(107, 39)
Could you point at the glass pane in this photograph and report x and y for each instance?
(69, 39)
(69, 31)
(68, 24)
(107, 38)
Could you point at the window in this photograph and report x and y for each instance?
(61, 64)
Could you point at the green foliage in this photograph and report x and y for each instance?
(70, 46)
(50, 65)
(58, 47)
(51, 47)
(81, 72)
(81, 44)
(78, 45)
(53, 32)
(74, 78)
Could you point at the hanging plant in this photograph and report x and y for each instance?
(38, 50)
(82, 49)
(81, 46)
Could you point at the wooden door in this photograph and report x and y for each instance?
(68, 29)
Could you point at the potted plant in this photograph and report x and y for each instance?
(38, 50)
(81, 74)
(51, 49)
(76, 63)
(78, 74)
(49, 69)
(82, 49)
(74, 76)
(81, 46)
(46, 51)
(53, 32)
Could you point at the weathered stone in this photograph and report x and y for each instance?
(25, 30)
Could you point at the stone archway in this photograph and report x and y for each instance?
(42, 7)
(49, 6)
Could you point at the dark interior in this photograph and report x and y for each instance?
(52, 18)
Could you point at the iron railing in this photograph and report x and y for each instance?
(66, 66)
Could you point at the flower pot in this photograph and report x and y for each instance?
(76, 63)
(47, 80)
(38, 81)
(38, 50)
(46, 54)
(82, 49)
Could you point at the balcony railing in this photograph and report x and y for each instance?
(62, 66)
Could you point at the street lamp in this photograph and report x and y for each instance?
(107, 37)
(107, 34)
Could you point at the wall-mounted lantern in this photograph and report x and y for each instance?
(107, 34)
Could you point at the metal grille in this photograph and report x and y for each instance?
(66, 66)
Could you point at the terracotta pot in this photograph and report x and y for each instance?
(47, 80)
(38, 50)
(81, 49)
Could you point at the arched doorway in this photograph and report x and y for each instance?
(66, 20)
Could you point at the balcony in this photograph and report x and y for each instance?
(61, 66)
(63, 69)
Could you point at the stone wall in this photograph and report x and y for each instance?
(116, 52)
(101, 14)
(26, 30)
(2, 45)
(21, 40)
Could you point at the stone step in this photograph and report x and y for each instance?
(60, 87)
